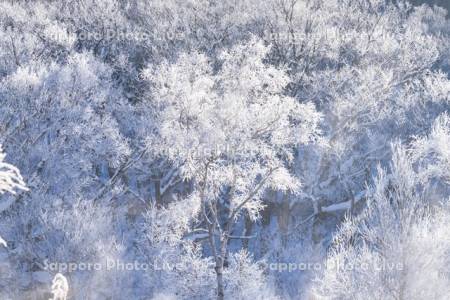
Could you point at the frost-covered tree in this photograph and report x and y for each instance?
(66, 139)
(398, 247)
(367, 83)
(231, 132)
(10, 180)
(212, 140)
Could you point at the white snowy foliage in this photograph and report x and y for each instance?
(168, 225)
(60, 287)
(235, 124)
(433, 151)
(219, 135)
(397, 248)
(10, 178)
(246, 279)
(176, 262)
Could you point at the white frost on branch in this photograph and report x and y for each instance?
(60, 287)
(10, 178)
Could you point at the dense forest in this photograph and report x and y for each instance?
(223, 149)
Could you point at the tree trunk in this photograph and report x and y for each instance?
(219, 255)
(284, 214)
(158, 193)
(219, 277)
(247, 231)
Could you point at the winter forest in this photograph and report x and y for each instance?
(224, 149)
